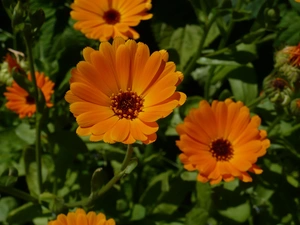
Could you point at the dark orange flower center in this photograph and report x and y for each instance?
(280, 84)
(112, 16)
(30, 100)
(126, 104)
(221, 149)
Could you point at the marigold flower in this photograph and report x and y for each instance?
(11, 61)
(293, 53)
(19, 100)
(105, 19)
(221, 141)
(119, 92)
(80, 217)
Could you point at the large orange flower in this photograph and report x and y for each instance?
(19, 100)
(221, 141)
(79, 217)
(119, 92)
(103, 19)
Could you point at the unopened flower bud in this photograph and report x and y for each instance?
(278, 90)
(295, 107)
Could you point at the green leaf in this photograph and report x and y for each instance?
(243, 84)
(25, 213)
(238, 213)
(138, 212)
(131, 166)
(210, 61)
(25, 132)
(189, 176)
(185, 41)
(290, 29)
(204, 195)
(165, 208)
(9, 177)
(6, 205)
(197, 216)
(31, 170)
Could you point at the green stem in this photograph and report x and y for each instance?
(38, 156)
(273, 124)
(192, 63)
(256, 101)
(127, 157)
(95, 195)
(17, 193)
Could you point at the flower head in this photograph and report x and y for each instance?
(119, 92)
(80, 217)
(109, 18)
(293, 53)
(277, 89)
(11, 61)
(20, 101)
(221, 141)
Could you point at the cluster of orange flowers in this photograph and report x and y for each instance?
(118, 92)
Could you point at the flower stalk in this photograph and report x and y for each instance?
(18, 193)
(38, 156)
(96, 194)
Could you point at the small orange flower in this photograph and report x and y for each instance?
(19, 100)
(80, 217)
(119, 92)
(294, 54)
(104, 19)
(221, 141)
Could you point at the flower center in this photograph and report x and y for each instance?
(126, 104)
(30, 100)
(221, 149)
(112, 16)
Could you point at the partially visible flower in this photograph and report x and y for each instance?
(278, 90)
(107, 19)
(79, 217)
(293, 53)
(119, 92)
(295, 107)
(297, 0)
(11, 61)
(221, 141)
(20, 101)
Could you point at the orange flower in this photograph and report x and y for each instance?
(119, 92)
(294, 54)
(103, 19)
(79, 217)
(221, 141)
(19, 100)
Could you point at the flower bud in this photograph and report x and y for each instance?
(278, 90)
(18, 17)
(295, 107)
